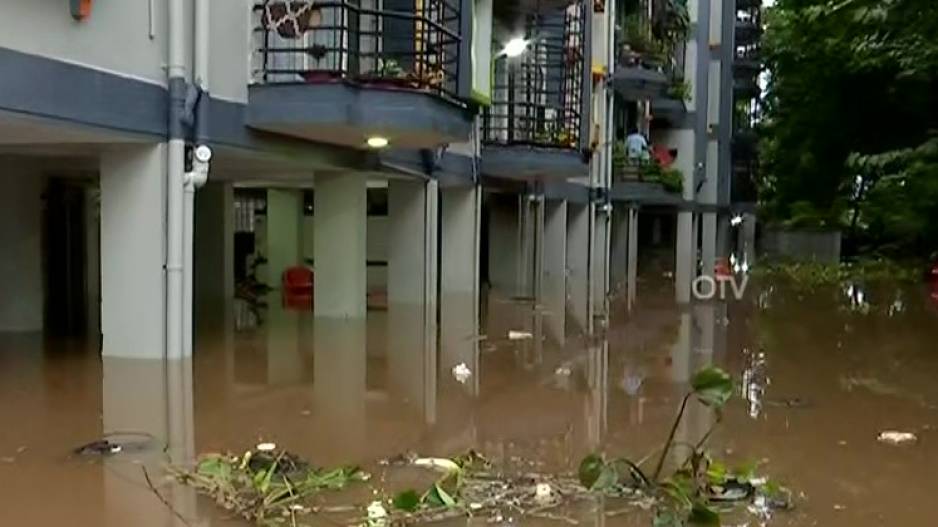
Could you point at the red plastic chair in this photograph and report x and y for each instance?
(297, 287)
(933, 274)
(722, 269)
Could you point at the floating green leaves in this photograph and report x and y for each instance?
(712, 386)
(590, 469)
(407, 500)
(701, 514)
(260, 484)
(437, 497)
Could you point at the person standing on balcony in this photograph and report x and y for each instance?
(636, 147)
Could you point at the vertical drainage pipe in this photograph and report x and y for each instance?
(175, 167)
(198, 177)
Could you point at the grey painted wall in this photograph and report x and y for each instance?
(116, 37)
(20, 251)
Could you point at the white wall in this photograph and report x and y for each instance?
(116, 37)
(133, 281)
(230, 46)
(20, 251)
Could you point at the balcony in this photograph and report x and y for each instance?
(650, 50)
(538, 123)
(748, 26)
(341, 72)
(747, 62)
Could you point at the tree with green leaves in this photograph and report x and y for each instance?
(851, 115)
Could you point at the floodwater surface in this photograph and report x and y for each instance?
(821, 374)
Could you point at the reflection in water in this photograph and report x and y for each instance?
(754, 381)
(340, 392)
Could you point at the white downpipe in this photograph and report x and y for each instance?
(200, 68)
(174, 193)
(194, 180)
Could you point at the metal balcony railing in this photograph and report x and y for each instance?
(399, 44)
(652, 34)
(538, 97)
(748, 25)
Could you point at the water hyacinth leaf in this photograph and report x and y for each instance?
(608, 478)
(667, 518)
(590, 469)
(437, 497)
(214, 467)
(712, 386)
(407, 501)
(716, 473)
(701, 514)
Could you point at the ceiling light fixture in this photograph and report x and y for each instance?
(378, 142)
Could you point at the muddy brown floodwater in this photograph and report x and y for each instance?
(821, 375)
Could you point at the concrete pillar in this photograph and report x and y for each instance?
(133, 252)
(412, 286)
(723, 236)
(155, 397)
(284, 232)
(685, 249)
(92, 200)
(599, 281)
(708, 243)
(619, 254)
(578, 247)
(529, 241)
(412, 360)
(339, 383)
(633, 257)
(459, 278)
(554, 277)
(21, 302)
(340, 245)
(408, 280)
(214, 251)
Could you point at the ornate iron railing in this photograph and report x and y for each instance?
(538, 97)
(401, 44)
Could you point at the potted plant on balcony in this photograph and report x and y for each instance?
(639, 46)
(679, 90)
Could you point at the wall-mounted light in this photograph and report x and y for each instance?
(377, 142)
(515, 47)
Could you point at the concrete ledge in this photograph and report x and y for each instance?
(346, 114)
(532, 164)
(635, 83)
(44, 87)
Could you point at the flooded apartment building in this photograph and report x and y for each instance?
(208, 205)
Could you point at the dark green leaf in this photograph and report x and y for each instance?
(701, 514)
(608, 478)
(590, 469)
(716, 473)
(667, 518)
(215, 467)
(437, 497)
(407, 501)
(712, 386)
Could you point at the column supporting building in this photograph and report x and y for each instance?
(554, 276)
(339, 246)
(133, 252)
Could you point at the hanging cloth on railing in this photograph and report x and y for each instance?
(291, 19)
